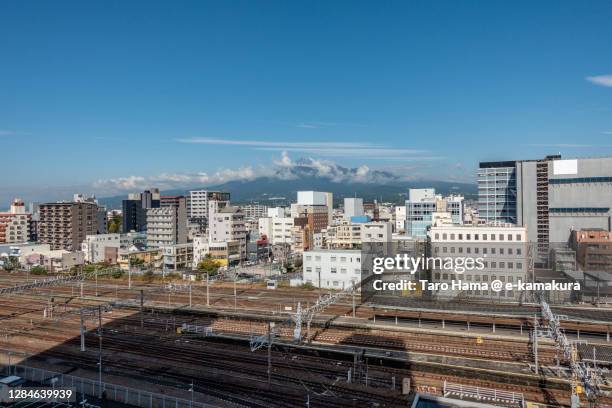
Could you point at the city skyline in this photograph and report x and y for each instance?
(111, 100)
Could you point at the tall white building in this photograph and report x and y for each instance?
(198, 202)
(228, 225)
(400, 218)
(162, 227)
(353, 207)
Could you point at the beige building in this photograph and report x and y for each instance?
(15, 224)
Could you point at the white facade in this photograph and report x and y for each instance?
(277, 212)
(178, 257)
(228, 225)
(264, 227)
(376, 232)
(282, 230)
(502, 250)
(400, 218)
(353, 207)
(254, 210)
(94, 246)
(161, 227)
(312, 198)
(332, 269)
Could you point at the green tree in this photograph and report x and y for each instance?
(114, 225)
(209, 265)
(11, 263)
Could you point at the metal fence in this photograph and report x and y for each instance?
(112, 392)
(483, 394)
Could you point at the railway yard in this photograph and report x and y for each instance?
(199, 343)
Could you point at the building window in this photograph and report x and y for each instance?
(333, 269)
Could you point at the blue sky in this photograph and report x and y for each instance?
(110, 96)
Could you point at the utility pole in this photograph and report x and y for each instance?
(82, 331)
(535, 343)
(207, 289)
(353, 301)
(269, 353)
(96, 273)
(100, 348)
(235, 294)
(141, 309)
(192, 390)
(190, 296)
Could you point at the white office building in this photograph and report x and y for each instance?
(502, 249)
(94, 246)
(332, 268)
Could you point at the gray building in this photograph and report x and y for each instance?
(550, 196)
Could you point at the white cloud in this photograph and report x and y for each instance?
(329, 149)
(603, 80)
(607, 132)
(567, 145)
(285, 168)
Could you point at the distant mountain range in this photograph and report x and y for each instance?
(275, 191)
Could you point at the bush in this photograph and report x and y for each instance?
(117, 274)
(308, 286)
(148, 276)
(38, 270)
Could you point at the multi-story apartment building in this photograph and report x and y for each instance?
(65, 225)
(420, 206)
(228, 225)
(198, 202)
(550, 196)
(15, 224)
(345, 235)
(593, 248)
(167, 225)
(177, 257)
(225, 253)
(254, 210)
(332, 268)
(134, 209)
(101, 247)
(502, 249)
